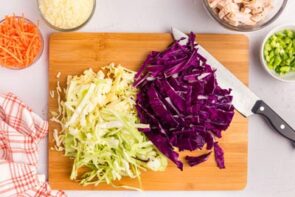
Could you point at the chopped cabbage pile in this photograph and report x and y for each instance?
(179, 97)
(99, 128)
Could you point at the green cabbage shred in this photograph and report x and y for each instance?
(99, 128)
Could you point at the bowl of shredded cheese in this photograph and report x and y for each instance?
(66, 15)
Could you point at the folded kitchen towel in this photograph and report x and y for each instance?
(20, 132)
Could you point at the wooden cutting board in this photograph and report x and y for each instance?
(71, 53)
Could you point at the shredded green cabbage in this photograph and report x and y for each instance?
(99, 128)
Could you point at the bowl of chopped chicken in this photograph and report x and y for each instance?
(245, 15)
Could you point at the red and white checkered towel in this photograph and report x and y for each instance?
(20, 131)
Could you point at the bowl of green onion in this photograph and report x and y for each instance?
(278, 53)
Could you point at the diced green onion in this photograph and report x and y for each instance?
(279, 52)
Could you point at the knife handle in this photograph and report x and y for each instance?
(281, 126)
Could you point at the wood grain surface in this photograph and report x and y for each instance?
(71, 53)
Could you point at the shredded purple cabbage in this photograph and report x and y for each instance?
(192, 161)
(219, 158)
(180, 98)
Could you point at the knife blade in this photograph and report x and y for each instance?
(244, 100)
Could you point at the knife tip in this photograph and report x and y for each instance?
(174, 30)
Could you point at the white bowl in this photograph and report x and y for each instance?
(289, 77)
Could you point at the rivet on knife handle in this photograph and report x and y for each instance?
(274, 119)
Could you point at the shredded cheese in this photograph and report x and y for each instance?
(66, 14)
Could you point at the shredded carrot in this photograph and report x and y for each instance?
(20, 42)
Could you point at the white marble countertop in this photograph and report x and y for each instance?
(271, 159)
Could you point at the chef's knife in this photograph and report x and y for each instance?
(244, 100)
